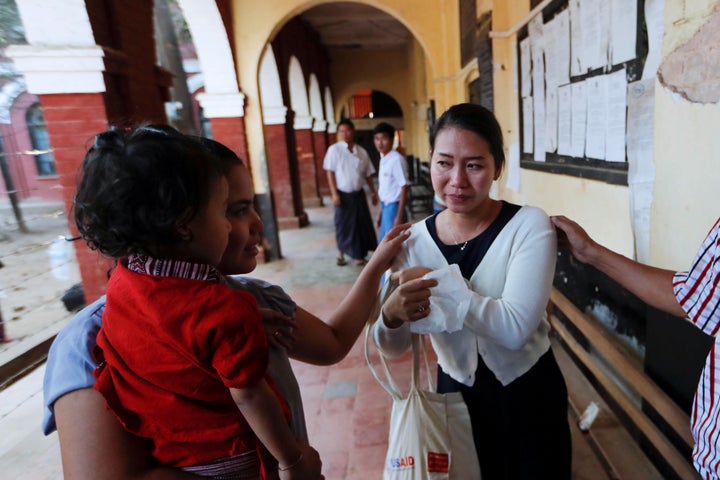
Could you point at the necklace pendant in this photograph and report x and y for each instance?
(462, 247)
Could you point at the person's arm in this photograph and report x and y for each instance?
(371, 186)
(95, 446)
(262, 411)
(324, 343)
(332, 182)
(652, 285)
(401, 206)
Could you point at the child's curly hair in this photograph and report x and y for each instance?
(138, 186)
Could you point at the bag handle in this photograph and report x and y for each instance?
(419, 344)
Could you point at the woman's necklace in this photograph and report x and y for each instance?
(457, 243)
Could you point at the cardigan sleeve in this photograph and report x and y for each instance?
(528, 265)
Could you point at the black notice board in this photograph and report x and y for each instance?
(610, 172)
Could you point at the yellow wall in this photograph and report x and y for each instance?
(687, 154)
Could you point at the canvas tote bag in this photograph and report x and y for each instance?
(430, 434)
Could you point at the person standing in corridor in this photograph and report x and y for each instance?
(392, 179)
(348, 167)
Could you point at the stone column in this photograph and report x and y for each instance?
(282, 168)
(307, 170)
(320, 142)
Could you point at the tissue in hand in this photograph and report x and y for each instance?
(449, 302)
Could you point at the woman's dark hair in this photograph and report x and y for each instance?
(137, 187)
(476, 119)
(226, 158)
(347, 122)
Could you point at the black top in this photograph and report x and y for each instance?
(470, 257)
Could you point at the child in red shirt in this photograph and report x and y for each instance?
(182, 356)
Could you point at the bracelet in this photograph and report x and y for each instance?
(292, 465)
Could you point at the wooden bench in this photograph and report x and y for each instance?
(626, 441)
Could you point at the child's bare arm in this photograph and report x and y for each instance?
(262, 411)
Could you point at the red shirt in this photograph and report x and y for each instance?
(171, 348)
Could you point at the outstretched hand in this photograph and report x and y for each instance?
(410, 301)
(390, 246)
(574, 237)
(279, 328)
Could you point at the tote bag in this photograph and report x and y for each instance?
(430, 434)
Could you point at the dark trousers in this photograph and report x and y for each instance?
(521, 430)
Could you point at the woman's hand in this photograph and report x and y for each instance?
(390, 246)
(308, 467)
(572, 236)
(410, 301)
(279, 328)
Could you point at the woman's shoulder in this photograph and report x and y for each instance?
(532, 214)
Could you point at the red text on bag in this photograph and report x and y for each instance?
(438, 462)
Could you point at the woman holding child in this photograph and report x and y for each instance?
(189, 223)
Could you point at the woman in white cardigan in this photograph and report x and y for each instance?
(498, 353)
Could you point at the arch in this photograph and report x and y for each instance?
(298, 95)
(8, 93)
(330, 111)
(195, 82)
(298, 91)
(316, 104)
(419, 13)
(37, 128)
(274, 111)
(212, 45)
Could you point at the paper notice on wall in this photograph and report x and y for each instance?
(562, 45)
(641, 166)
(640, 117)
(579, 118)
(616, 110)
(577, 47)
(538, 77)
(525, 68)
(551, 120)
(565, 120)
(596, 117)
(513, 167)
(623, 30)
(655, 20)
(527, 106)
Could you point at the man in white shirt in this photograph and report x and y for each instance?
(392, 179)
(348, 168)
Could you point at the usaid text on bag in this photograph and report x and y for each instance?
(436, 462)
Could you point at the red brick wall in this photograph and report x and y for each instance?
(305, 149)
(72, 121)
(231, 133)
(284, 181)
(320, 142)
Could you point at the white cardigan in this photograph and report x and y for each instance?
(508, 292)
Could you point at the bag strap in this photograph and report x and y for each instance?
(419, 345)
(390, 386)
